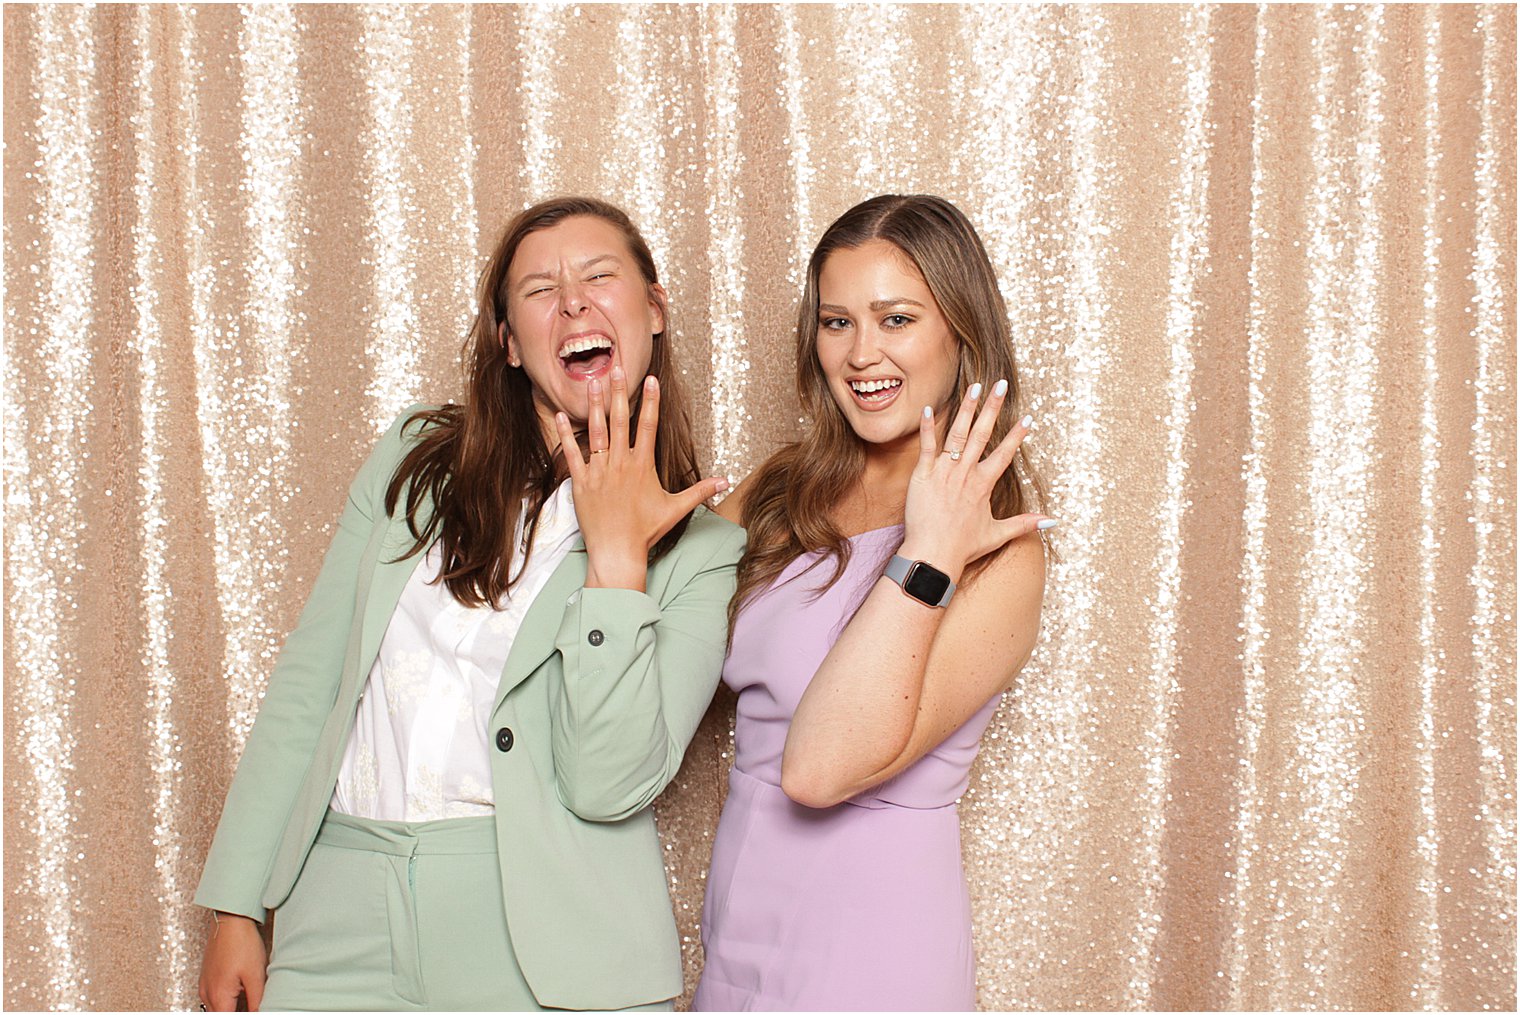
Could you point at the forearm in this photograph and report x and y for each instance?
(611, 743)
(607, 767)
(858, 713)
(636, 679)
(970, 653)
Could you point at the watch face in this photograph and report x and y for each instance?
(925, 583)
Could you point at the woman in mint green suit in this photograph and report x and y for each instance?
(553, 893)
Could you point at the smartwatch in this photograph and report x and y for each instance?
(921, 580)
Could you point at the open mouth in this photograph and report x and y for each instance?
(875, 394)
(586, 356)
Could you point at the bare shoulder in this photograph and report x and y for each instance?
(732, 506)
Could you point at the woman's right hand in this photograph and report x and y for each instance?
(234, 964)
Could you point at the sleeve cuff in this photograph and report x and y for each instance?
(257, 913)
(603, 624)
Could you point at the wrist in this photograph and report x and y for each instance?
(227, 926)
(941, 556)
(221, 916)
(617, 571)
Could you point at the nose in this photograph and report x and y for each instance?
(572, 300)
(865, 350)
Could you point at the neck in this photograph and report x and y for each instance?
(890, 466)
(884, 480)
(546, 426)
(888, 469)
(550, 434)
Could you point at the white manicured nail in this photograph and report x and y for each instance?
(1046, 523)
(1000, 388)
(1027, 422)
(976, 391)
(928, 412)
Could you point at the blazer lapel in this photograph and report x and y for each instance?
(535, 639)
(389, 581)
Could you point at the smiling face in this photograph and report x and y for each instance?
(576, 305)
(883, 344)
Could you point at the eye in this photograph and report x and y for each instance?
(833, 323)
(538, 291)
(895, 321)
(600, 275)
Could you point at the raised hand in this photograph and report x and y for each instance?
(948, 519)
(621, 506)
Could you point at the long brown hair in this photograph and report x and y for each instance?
(789, 503)
(484, 465)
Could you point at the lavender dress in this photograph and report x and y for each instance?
(862, 906)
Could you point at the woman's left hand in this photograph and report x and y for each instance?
(619, 502)
(948, 517)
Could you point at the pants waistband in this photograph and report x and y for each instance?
(409, 838)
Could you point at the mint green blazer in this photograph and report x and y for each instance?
(599, 725)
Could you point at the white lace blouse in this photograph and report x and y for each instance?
(420, 747)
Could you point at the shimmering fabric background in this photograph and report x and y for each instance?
(1261, 269)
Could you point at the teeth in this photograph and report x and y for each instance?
(584, 345)
(866, 387)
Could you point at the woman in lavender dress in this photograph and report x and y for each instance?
(890, 593)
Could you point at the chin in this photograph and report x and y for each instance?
(573, 404)
(875, 430)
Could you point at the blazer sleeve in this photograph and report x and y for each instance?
(637, 678)
(302, 690)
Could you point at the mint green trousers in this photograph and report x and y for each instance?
(392, 916)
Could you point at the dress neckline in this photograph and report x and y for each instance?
(872, 532)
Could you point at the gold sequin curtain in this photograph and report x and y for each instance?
(1261, 268)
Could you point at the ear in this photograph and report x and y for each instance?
(509, 342)
(657, 307)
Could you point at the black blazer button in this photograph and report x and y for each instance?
(503, 739)
(595, 637)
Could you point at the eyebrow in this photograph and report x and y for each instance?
(589, 262)
(875, 305)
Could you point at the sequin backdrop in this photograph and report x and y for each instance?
(1261, 269)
